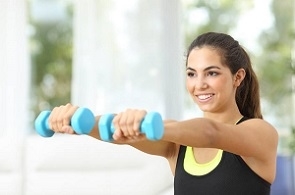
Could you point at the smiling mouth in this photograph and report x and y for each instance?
(204, 97)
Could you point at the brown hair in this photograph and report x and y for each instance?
(234, 57)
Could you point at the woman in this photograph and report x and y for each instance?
(231, 149)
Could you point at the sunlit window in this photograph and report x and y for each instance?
(51, 43)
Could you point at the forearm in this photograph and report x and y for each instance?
(95, 133)
(198, 132)
(159, 148)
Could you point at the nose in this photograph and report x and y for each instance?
(200, 83)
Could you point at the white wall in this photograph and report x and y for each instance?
(15, 69)
(14, 90)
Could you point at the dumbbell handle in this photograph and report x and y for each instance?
(152, 126)
(82, 122)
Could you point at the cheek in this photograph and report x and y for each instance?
(189, 86)
(224, 85)
(220, 85)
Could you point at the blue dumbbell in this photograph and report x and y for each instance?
(82, 122)
(152, 126)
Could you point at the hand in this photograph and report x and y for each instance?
(60, 118)
(127, 125)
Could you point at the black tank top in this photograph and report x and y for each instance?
(232, 176)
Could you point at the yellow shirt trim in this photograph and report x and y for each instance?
(194, 168)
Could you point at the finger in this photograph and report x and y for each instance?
(118, 135)
(68, 114)
(123, 124)
(138, 120)
(131, 117)
(61, 118)
(53, 119)
(64, 118)
(139, 137)
(132, 139)
(130, 124)
(68, 129)
(115, 122)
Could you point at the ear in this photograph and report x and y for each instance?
(239, 77)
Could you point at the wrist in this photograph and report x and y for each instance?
(95, 131)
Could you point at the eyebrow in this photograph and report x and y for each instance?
(206, 69)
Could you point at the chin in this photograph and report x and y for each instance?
(205, 109)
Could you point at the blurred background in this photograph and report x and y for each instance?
(118, 54)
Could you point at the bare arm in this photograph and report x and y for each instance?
(159, 148)
(60, 123)
(252, 138)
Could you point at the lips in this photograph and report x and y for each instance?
(204, 97)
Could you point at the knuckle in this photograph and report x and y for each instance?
(52, 119)
(115, 119)
(137, 123)
(75, 107)
(66, 121)
(60, 119)
(122, 123)
(129, 122)
(55, 109)
(142, 112)
(129, 110)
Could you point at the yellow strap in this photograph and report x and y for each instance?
(194, 168)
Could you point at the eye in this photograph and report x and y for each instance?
(190, 74)
(212, 73)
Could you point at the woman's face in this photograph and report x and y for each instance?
(209, 82)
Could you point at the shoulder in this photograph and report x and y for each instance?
(265, 136)
(259, 126)
(254, 138)
(263, 131)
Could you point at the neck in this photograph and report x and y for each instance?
(229, 117)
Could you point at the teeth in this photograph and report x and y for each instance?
(203, 97)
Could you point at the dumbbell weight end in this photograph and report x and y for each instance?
(83, 121)
(42, 125)
(105, 127)
(152, 126)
